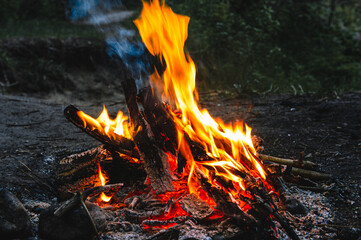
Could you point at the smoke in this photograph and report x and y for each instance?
(106, 15)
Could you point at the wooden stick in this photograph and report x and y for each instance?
(90, 218)
(310, 174)
(289, 162)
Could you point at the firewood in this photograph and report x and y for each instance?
(262, 202)
(159, 119)
(224, 202)
(119, 143)
(79, 171)
(313, 175)
(195, 207)
(155, 162)
(289, 162)
(74, 163)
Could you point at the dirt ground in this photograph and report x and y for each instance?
(34, 132)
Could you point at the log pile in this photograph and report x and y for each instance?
(145, 157)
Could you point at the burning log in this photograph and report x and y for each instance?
(154, 160)
(224, 202)
(120, 143)
(159, 119)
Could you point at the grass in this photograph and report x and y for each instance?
(46, 29)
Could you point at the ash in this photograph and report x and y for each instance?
(316, 223)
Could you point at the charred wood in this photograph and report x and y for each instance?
(79, 171)
(224, 202)
(159, 119)
(154, 160)
(195, 207)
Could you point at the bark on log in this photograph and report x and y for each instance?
(79, 171)
(159, 119)
(154, 160)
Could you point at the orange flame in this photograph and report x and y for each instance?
(112, 128)
(164, 34)
(103, 181)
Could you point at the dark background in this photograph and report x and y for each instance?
(241, 47)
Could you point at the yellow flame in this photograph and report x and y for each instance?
(113, 128)
(164, 33)
(103, 181)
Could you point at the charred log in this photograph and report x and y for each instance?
(78, 172)
(159, 119)
(154, 160)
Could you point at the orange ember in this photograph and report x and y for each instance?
(164, 34)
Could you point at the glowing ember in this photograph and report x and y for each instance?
(107, 126)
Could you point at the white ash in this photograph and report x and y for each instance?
(314, 224)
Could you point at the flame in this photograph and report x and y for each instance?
(112, 128)
(103, 181)
(164, 34)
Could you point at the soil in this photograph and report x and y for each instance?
(34, 135)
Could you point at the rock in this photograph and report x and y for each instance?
(14, 220)
(75, 224)
(295, 207)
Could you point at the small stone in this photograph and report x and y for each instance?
(14, 220)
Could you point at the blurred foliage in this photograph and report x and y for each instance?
(251, 46)
(42, 28)
(25, 9)
(39, 18)
(267, 45)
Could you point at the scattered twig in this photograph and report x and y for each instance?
(310, 174)
(39, 180)
(90, 218)
(289, 162)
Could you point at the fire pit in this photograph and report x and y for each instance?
(174, 172)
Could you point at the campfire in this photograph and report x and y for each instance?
(170, 162)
